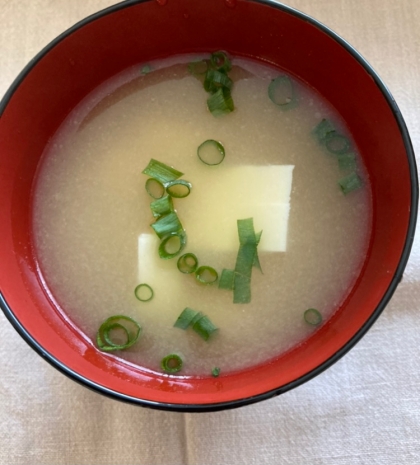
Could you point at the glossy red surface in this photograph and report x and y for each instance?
(146, 31)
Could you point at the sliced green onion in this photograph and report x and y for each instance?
(204, 327)
(226, 279)
(215, 80)
(220, 61)
(167, 224)
(312, 316)
(172, 363)
(104, 337)
(178, 189)
(215, 372)
(337, 143)
(146, 69)
(220, 103)
(282, 93)
(246, 259)
(206, 275)
(161, 172)
(186, 318)
(155, 188)
(144, 292)
(172, 245)
(350, 183)
(198, 67)
(162, 206)
(211, 152)
(346, 161)
(187, 263)
(322, 129)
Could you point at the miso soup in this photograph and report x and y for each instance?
(92, 217)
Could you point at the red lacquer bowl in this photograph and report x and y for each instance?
(139, 31)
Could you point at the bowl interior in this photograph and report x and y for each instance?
(138, 32)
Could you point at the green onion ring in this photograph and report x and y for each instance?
(172, 184)
(218, 148)
(153, 185)
(103, 337)
(343, 143)
(163, 253)
(184, 266)
(172, 363)
(312, 316)
(138, 289)
(208, 270)
(220, 61)
(109, 328)
(289, 100)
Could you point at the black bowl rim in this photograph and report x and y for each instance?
(356, 338)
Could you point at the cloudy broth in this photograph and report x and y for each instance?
(92, 216)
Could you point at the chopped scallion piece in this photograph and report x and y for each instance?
(161, 172)
(204, 327)
(215, 372)
(178, 189)
(211, 152)
(155, 188)
(186, 318)
(220, 61)
(144, 292)
(322, 129)
(226, 279)
(246, 259)
(187, 263)
(312, 316)
(162, 206)
(130, 333)
(146, 69)
(337, 143)
(346, 161)
(172, 245)
(282, 93)
(220, 103)
(206, 275)
(171, 363)
(216, 80)
(167, 224)
(350, 183)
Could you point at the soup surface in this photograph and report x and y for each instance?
(92, 215)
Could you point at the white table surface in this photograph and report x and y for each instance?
(363, 410)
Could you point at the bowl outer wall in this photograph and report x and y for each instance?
(96, 49)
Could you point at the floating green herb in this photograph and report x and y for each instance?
(211, 152)
(162, 206)
(215, 372)
(282, 92)
(146, 69)
(155, 188)
(172, 363)
(167, 224)
(172, 245)
(178, 189)
(312, 316)
(220, 61)
(322, 129)
(350, 183)
(226, 279)
(187, 263)
(346, 161)
(220, 103)
(123, 326)
(206, 275)
(143, 292)
(200, 323)
(216, 80)
(337, 143)
(161, 172)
